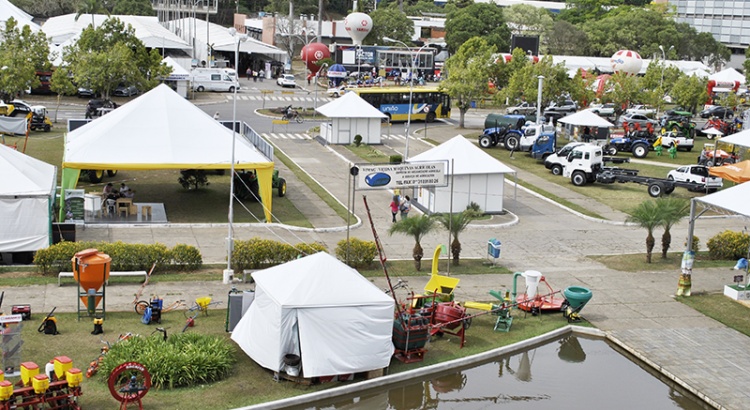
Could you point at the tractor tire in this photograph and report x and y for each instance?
(430, 117)
(111, 172)
(95, 176)
(557, 169)
(610, 150)
(281, 186)
(485, 141)
(640, 150)
(656, 189)
(200, 89)
(47, 128)
(669, 189)
(579, 178)
(511, 142)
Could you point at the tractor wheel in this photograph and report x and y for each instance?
(710, 163)
(95, 176)
(511, 143)
(47, 128)
(610, 150)
(675, 129)
(656, 189)
(578, 178)
(640, 151)
(557, 169)
(111, 173)
(281, 187)
(485, 141)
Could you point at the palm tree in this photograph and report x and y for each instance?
(647, 215)
(90, 7)
(456, 223)
(671, 211)
(417, 227)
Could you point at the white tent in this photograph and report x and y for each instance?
(728, 75)
(8, 10)
(586, 118)
(321, 310)
(179, 77)
(351, 115)
(161, 130)
(476, 177)
(27, 190)
(741, 138)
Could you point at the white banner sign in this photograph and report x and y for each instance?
(394, 176)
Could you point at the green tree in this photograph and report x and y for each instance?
(22, 53)
(477, 20)
(566, 39)
(456, 223)
(746, 63)
(388, 22)
(689, 91)
(111, 54)
(583, 11)
(62, 84)
(90, 7)
(417, 227)
(526, 20)
(525, 82)
(501, 71)
(581, 88)
(647, 215)
(134, 8)
(626, 89)
(468, 74)
(672, 210)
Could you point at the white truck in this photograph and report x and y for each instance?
(530, 134)
(670, 138)
(214, 79)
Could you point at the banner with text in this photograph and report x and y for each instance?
(395, 176)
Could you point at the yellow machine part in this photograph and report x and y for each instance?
(6, 390)
(28, 371)
(74, 377)
(62, 364)
(40, 382)
(479, 306)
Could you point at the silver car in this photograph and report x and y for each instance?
(525, 108)
(632, 119)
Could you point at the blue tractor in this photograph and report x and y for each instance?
(498, 129)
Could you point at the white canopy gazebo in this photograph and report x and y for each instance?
(350, 116)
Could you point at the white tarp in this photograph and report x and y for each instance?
(13, 125)
(322, 310)
(27, 187)
(350, 105)
(178, 73)
(734, 200)
(741, 138)
(8, 10)
(585, 118)
(728, 75)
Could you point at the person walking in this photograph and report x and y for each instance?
(395, 205)
(405, 207)
(249, 73)
(261, 74)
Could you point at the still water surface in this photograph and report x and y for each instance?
(570, 373)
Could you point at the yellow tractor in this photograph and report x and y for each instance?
(36, 115)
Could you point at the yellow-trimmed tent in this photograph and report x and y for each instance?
(161, 130)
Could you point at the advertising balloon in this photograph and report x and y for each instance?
(312, 53)
(358, 26)
(627, 62)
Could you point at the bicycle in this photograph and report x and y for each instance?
(292, 115)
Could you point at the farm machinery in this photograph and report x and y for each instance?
(57, 388)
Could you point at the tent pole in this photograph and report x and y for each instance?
(450, 220)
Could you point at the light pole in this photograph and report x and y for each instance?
(316, 86)
(228, 273)
(539, 100)
(415, 55)
(664, 62)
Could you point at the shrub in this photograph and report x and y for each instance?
(184, 359)
(186, 257)
(395, 159)
(259, 253)
(696, 244)
(357, 140)
(474, 207)
(361, 253)
(728, 245)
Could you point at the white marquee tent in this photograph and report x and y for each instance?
(477, 177)
(8, 10)
(180, 77)
(351, 115)
(27, 190)
(161, 130)
(728, 75)
(321, 310)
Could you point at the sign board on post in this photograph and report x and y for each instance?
(396, 176)
(74, 205)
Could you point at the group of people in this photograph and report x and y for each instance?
(255, 74)
(109, 191)
(400, 205)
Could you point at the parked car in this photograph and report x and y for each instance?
(567, 106)
(522, 108)
(85, 92)
(604, 110)
(631, 119)
(642, 109)
(125, 91)
(717, 111)
(286, 80)
(336, 91)
(695, 173)
(683, 142)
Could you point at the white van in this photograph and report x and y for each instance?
(214, 79)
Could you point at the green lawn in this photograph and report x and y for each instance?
(721, 308)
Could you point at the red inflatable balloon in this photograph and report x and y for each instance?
(312, 53)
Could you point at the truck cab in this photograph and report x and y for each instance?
(530, 135)
(556, 161)
(583, 163)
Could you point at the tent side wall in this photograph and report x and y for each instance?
(259, 331)
(24, 224)
(486, 190)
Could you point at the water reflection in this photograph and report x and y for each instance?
(572, 372)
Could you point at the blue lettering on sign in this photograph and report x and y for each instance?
(377, 179)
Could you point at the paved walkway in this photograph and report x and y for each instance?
(636, 309)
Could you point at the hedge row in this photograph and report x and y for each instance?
(728, 245)
(259, 253)
(361, 253)
(125, 256)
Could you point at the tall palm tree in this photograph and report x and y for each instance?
(647, 215)
(671, 211)
(417, 227)
(456, 223)
(90, 7)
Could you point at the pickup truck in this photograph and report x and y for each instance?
(603, 110)
(642, 109)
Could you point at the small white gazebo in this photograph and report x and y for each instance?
(350, 116)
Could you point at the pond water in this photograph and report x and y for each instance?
(570, 373)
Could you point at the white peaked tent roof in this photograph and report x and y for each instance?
(468, 159)
(159, 129)
(728, 74)
(732, 199)
(178, 72)
(24, 175)
(8, 10)
(319, 280)
(586, 118)
(741, 138)
(221, 40)
(350, 105)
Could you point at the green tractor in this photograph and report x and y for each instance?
(246, 185)
(680, 125)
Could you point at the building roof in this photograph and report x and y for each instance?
(8, 10)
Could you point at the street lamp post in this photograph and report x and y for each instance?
(663, 61)
(316, 86)
(228, 273)
(415, 55)
(539, 100)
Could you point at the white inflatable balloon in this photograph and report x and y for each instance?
(358, 26)
(626, 61)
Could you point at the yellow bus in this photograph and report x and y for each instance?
(427, 103)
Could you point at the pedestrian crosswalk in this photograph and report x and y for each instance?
(305, 136)
(241, 97)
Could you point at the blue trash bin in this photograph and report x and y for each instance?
(473, 104)
(493, 248)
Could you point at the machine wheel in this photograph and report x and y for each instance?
(578, 178)
(610, 150)
(430, 117)
(710, 163)
(656, 189)
(200, 89)
(129, 382)
(511, 143)
(47, 128)
(111, 172)
(140, 307)
(485, 141)
(557, 169)
(640, 151)
(282, 187)
(95, 176)
(668, 190)
(675, 129)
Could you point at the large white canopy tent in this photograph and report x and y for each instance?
(728, 75)
(351, 115)
(474, 176)
(741, 138)
(321, 310)
(8, 10)
(585, 118)
(161, 130)
(27, 191)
